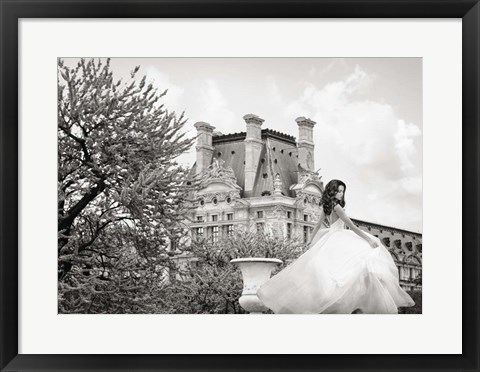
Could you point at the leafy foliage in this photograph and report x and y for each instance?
(210, 284)
(120, 189)
(415, 309)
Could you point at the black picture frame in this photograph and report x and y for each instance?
(12, 11)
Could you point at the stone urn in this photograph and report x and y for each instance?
(255, 272)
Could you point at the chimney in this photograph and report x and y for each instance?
(253, 148)
(204, 145)
(305, 143)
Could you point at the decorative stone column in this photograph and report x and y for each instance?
(204, 145)
(253, 148)
(255, 272)
(277, 185)
(305, 143)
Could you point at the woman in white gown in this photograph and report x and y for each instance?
(344, 271)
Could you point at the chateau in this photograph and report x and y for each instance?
(265, 180)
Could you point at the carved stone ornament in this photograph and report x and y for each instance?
(412, 259)
(222, 196)
(301, 195)
(277, 185)
(307, 198)
(279, 211)
(304, 175)
(305, 179)
(217, 171)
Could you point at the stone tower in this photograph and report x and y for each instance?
(253, 148)
(306, 146)
(204, 145)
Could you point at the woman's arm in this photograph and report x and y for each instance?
(318, 227)
(343, 216)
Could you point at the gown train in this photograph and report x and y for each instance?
(340, 273)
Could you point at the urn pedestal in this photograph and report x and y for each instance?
(255, 272)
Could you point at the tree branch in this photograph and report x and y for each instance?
(79, 140)
(66, 222)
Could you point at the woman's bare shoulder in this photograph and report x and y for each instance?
(338, 208)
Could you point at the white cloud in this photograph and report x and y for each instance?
(412, 185)
(364, 142)
(404, 144)
(173, 99)
(215, 107)
(273, 92)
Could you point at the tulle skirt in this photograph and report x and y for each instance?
(340, 273)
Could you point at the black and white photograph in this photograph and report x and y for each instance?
(240, 185)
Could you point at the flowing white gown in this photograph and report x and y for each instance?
(340, 273)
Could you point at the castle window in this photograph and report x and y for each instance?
(289, 214)
(281, 151)
(305, 234)
(263, 161)
(229, 230)
(275, 161)
(199, 232)
(233, 152)
(199, 218)
(215, 201)
(265, 175)
(412, 273)
(219, 154)
(273, 149)
(289, 230)
(215, 233)
(289, 154)
(229, 200)
(259, 214)
(266, 193)
(229, 216)
(214, 218)
(202, 202)
(305, 217)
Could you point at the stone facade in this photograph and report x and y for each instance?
(405, 248)
(265, 180)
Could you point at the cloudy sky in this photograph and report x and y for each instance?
(368, 113)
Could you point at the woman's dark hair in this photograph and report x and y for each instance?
(328, 198)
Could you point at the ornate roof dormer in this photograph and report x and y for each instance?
(217, 172)
(218, 183)
(309, 185)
